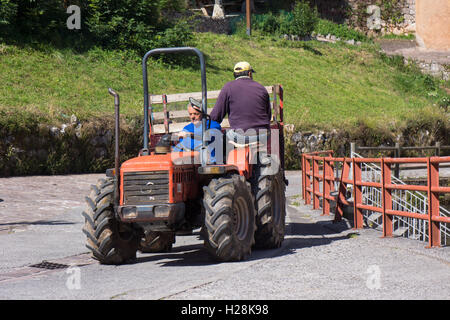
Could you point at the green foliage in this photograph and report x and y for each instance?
(33, 19)
(391, 11)
(326, 86)
(122, 24)
(342, 31)
(301, 21)
(304, 19)
(8, 11)
(266, 23)
(176, 36)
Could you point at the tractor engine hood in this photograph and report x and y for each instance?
(161, 161)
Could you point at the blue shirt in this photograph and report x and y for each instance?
(195, 142)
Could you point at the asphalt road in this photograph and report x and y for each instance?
(318, 259)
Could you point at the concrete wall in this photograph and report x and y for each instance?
(433, 24)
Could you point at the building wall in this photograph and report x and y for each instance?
(433, 24)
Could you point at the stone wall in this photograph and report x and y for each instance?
(300, 141)
(379, 17)
(71, 147)
(88, 147)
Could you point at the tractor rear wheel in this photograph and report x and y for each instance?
(110, 241)
(270, 203)
(229, 218)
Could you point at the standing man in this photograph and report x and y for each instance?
(247, 104)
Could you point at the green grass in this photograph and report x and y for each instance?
(326, 85)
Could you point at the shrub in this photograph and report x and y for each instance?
(304, 19)
(8, 11)
(301, 21)
(342, 31)
(178, 35)
(266, 23)
(121, 24)
(33, 18)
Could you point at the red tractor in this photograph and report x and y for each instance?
(144, 202)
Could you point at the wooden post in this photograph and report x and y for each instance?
(248, 13)
(438, 149)
(275, 103)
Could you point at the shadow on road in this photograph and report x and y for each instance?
(39, 222)
(187, 255)
(298, 235)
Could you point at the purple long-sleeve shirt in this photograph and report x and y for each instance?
(247, 104)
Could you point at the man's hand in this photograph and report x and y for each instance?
(184, 134)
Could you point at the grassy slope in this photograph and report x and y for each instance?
(326, 85)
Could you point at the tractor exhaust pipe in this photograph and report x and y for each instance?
(116, 151)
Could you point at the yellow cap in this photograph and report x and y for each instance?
(243, 66)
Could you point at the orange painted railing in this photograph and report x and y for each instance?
(318, 170)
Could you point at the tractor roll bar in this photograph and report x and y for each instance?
(116, 142)
(146, 95)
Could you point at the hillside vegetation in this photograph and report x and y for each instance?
(326, 85)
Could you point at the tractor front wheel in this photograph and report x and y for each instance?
(229, 218)
(110, 241)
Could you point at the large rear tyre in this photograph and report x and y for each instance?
(110, 241)
(229, 219)
(270, 204)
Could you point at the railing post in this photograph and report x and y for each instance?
(438, 149)
(326, 188)
(387, 198)
(339, 212)
(303, 176)
(433, 204)
(357, 195)
(307, 181)
(316, 186)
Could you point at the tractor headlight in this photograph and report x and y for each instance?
(161, 211)
(129, 212)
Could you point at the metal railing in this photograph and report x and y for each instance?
(402, 200)
(377, 196)
(398, 151)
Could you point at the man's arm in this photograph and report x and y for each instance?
(220, 109)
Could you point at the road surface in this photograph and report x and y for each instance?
(40, 221)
